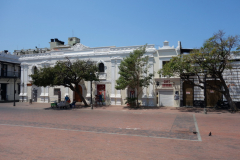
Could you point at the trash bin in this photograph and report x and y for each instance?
(53, 105)
(30, 101)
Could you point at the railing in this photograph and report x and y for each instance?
(10, 74)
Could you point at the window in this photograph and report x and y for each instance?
(4, 70)
(19, 88)
(19, 71)
(101, 67)
(56, 91)
(164, 62)
(34, 70)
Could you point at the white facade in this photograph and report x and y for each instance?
(166, 87)
(111, 57)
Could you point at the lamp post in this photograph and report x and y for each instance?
(205, 94)
(91, 91)
(14, 89)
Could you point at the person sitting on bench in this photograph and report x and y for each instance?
(72, 105)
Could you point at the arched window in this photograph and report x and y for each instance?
(34, 70)
(101, 67)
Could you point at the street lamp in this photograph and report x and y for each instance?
(14, 89)
(91, 90)
(205, 94)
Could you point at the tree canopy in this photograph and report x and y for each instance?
(133, 72)
(68, 74)
(213, 58)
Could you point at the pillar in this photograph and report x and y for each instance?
(151, 91)
(113, 96)
(118, 92)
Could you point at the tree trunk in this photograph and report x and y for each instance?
(230, 102)
(80, 95)
(228, 97)
(84, 101)
(137, 98)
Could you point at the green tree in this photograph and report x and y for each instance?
(213, 58)
(133, 72)
(68, 74)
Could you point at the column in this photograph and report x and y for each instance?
(112, 96)
(88, 96)
(25, 81)
(42, 94)
(66, 91)
(22, 84)
(46, 94)
(118, 92)
(144, 96)
(151, 92)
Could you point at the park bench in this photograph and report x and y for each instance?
(60, 105)
(63, 104)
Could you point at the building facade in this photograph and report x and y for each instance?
(9, 76)
(194, 96)
(160, 93)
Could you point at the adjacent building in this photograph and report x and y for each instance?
(10, 73)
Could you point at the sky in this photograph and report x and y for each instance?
(25, 24)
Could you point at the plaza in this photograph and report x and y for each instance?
(36, 131)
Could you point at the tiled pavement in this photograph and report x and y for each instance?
(182, 128)
(37, 132)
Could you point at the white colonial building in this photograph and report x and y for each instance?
(160, 93)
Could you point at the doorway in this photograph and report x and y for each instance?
(77, 97)
(166, 98)
(188, 93)
(101, 91)
(4, 92)
(212, 95)
(34, 93)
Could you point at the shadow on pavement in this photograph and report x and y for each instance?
(198, 110)
(143, 107)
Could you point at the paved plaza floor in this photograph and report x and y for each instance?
(36, 131)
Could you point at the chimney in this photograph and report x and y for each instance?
(165, 43)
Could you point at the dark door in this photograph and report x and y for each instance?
(101, 91)
(34, 95)
(4, 91)
(213, 96)
(188, 94)
(77, 97)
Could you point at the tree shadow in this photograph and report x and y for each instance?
(200, 109)
(143, 107)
